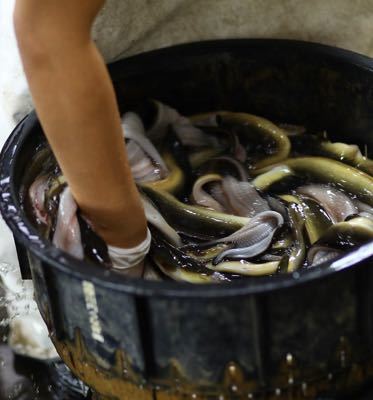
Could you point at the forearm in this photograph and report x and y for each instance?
(75, 102)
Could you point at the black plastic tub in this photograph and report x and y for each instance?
(298, 335)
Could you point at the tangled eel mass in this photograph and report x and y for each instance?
(226, 195)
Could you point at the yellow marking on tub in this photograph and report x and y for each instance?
(92, 308)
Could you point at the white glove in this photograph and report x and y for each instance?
(129, 260)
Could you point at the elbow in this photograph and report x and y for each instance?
(32, 41)
(42, 38)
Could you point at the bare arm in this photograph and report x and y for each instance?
(75, 101)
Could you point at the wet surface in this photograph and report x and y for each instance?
(26, 379)
(23, 378)
(20, 379)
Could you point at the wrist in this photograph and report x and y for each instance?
(122, 229)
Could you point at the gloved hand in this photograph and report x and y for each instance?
(130, 261)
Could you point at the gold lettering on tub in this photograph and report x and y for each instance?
(92, 308)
